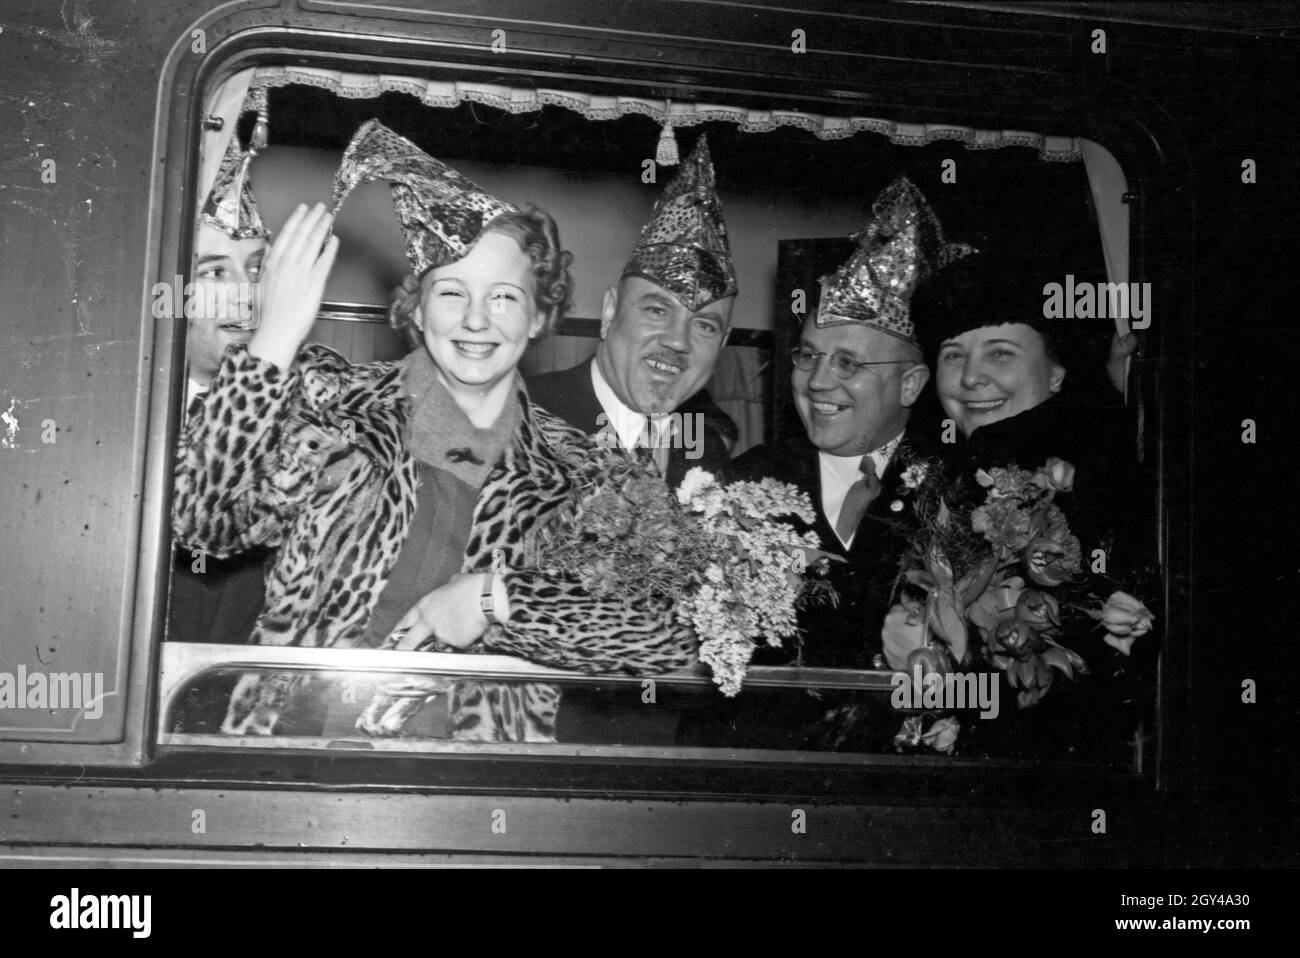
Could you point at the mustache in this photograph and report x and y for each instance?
(670, 356)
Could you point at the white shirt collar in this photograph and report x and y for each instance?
(194, 388)
(626, 422)
(848, 468)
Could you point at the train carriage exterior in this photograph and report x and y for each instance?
(104, 110)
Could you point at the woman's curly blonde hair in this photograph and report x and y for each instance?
(535, 231)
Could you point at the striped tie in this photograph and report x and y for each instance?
(856, 500)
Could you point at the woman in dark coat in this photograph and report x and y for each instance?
(1016, 386)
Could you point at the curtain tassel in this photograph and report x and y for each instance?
(258, 140)
(666, 151)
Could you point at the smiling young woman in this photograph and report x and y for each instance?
(393, 487)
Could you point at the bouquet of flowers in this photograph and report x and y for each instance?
(733, 571)
(1009, 569)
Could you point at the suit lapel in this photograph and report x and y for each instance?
(588, 406)
(882, 507)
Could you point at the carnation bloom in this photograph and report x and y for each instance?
(914, 475)
(1003, 523)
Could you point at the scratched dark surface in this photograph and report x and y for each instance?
(77, 87)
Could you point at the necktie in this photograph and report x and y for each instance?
(656, 446)
(856, 500)
(663, 442)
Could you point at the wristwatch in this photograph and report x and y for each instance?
(487, 602)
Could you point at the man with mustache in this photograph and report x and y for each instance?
(663, 325)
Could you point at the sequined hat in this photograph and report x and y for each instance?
(230, 206)
(901, 245)
(683, 247)
(442, 213)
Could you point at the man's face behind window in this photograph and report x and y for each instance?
(655, 352)
(226, 273)
(850, 417)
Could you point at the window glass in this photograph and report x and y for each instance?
(790, 199)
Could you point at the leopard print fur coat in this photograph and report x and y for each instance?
(311, 461)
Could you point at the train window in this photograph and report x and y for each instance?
(794, 185)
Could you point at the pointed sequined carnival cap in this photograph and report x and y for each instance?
(230, 206)
(901, 245)
(442, 213)
(683, 248)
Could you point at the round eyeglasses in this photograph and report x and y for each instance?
(842, 364)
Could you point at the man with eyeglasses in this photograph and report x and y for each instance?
(858, 372)
(663, 326)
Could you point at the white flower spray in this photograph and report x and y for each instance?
(751, 594)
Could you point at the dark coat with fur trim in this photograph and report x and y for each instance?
(1112, 504)
(1112, 507)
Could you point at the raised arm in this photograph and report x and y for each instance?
(250, 455)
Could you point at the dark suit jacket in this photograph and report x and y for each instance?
(846, 636)
(220, 604)
(570, 395)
